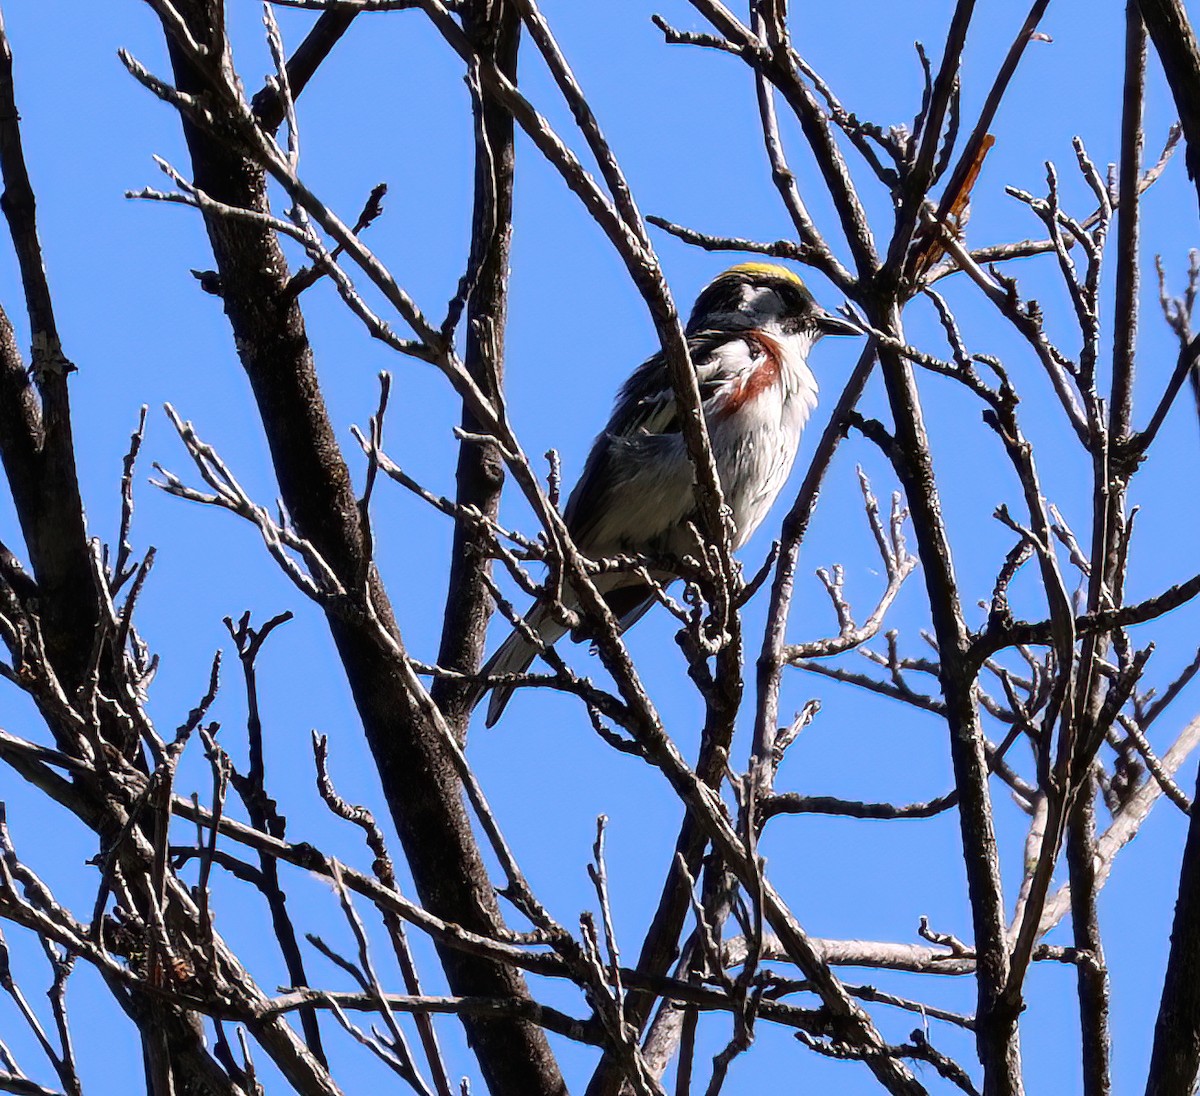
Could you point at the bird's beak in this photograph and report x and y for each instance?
(829, 324)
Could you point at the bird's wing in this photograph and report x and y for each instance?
(646, 402)
(645, 410)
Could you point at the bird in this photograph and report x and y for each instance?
(749, 335)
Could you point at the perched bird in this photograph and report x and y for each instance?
(749, 334)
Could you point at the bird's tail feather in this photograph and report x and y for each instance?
(629, 604)
(515, 655)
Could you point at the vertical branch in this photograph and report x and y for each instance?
(20, 432)
(1175, 43)
(785, 180)
(19, 208)
(268, 104)
(52, 517)
(660, 947)
(971, 151)
(920, 176)
(996, 1017)
(1092, 976)
(1175, 1058)
(265, 817)
(773, 57)
(687, 1054)
(494, 31)
(1109, 516)
(1125, 309)
(386, 874)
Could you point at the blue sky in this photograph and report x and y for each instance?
(390, 105)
